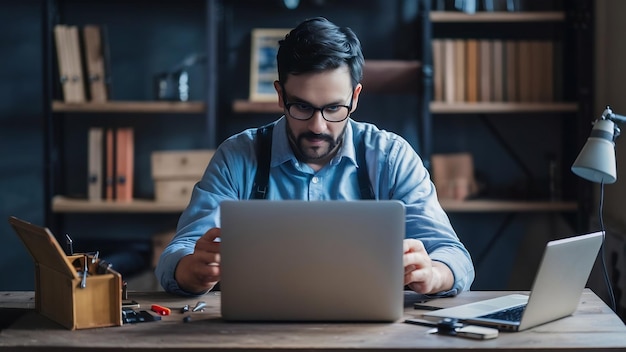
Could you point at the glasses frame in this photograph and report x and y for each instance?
(315, 108)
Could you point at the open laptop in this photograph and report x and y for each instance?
(556, 290)
(312, 261)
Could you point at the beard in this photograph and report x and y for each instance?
(312, 147)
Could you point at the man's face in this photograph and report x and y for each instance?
(316, 140)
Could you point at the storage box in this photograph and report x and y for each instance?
(61, 294)
(175, 173)
(453, 175)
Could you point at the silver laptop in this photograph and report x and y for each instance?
(555, 293)
(312, 261)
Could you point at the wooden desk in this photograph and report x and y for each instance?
(592, 327)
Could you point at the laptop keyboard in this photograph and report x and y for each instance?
(511, 314)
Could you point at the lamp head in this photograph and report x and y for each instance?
(596, 161)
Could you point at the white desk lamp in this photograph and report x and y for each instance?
(596, 163)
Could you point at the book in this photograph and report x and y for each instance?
(95, 174)
(459, 70)
(485, 93)
(94, 59)
(524, 72)
(449, 76)
(557, 71)
(124, 161)
(472, 65)
(537, 80)
(546, 93)
(511, 62)
(438, 55)
(498, 70)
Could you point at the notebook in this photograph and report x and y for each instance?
(312, 261)
(556, 291)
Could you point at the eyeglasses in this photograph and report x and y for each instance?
(331, 113)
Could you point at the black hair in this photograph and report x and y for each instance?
(317, 45)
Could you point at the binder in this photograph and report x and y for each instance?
(110, 165)
(63, 61)
(124, 164)
(70, 63)
(95, 164)
(94, 58)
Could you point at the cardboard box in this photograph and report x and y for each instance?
(175, 173)
(174, 190)
(453, 175)
(185, 164)
(61, 294)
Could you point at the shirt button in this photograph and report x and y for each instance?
(315, 179)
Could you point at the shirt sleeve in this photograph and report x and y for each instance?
(404, 177)
(234, 157)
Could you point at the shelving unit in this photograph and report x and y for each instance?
(500, 111)
(412, 76)
(60, 116)
(416, 77)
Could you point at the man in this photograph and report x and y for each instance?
(314, 150)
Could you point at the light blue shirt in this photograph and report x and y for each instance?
(395, 172)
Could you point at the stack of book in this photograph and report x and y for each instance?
(494, 70)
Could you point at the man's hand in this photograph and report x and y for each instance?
(200, 271)
(422, 274)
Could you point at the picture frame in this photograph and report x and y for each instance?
(263, 68)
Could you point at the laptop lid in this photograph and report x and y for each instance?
(558, 285)
(312, 261)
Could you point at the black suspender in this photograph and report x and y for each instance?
(264, 157)
(365, 187)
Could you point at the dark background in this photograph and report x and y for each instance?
(149, 37)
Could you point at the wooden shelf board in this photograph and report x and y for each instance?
(507, 206)
(61, 204)
(498, 16)
(192, 107)
(500, 108)
(242, 106)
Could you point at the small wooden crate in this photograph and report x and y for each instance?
(59, 294)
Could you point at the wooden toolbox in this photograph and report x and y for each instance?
(61, 292)
(175, 173)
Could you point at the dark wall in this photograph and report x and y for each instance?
(21, 135)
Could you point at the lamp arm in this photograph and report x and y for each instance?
(609, 115)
